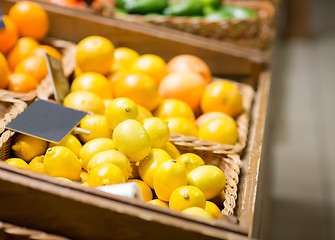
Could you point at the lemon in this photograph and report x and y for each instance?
(191, 161)
(85, 184)
(119, 110)
(132, 139)
(174, 108)
(196, 211)
(147, 167)
(172, 150)
(143, 113)
(186, 197)
(182, 126)
(93, 147)
(70, 142)
(85, 101)
(107, 102)
(123, 58)
(212, 209)
(105, 174)
(18, 162)
(60, 161)
(168, 176)
(83, 176)
(64, 179)
(158, 202)
(93, 82)
(111, 156)
(27, 147)
(145, 189)
(98, 126)
(158, 131)
(209, 179)
(37, 165)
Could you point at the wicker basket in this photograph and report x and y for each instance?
(45, 89)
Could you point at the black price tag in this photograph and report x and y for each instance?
(2, 23)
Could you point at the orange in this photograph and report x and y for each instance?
(185, 86)
(145, 189)
(8, 35)
(31, 19)
(115, 77)
(222, 96)
(123, 58)
(150, 64)
(35, 66)
(182, 126)
(22, 49)
(174, 108)
(42, 49)
(140, 88)
(191, 63)
(202, 119)
(4, 71)
(21, 82)
(95, 54)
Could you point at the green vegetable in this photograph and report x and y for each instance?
(214, 3)
(120, 4)
(144, 6)
(185, 8)
(230, 12)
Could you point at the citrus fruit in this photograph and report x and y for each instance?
(145, 189)
(132, 139)
(84, 176)
(95, 54)
(114, 77)
(140, 88)
(151, 65)
(185, 86)
(168, 176)
(111, 156)
(27, 147)
(71, 142)
(85, 101)
(4, 71)
(64, 179)
(37, 165)
(172, 150)
(196, 211)
(143, 113)
(147, 167)
(212, 209)
(107, 102)
(186, 197)
(222, 96)
(182, 126)
(98, 126)
(41, 50)
(174, 108)
(60, 161)
(134, 170)
(8, 35)
(123, 58)
(22, 49)
(191, 161)
(209, 179)
(93, 82)
(21, 83)
(93, 147)
(105, 174)
(158, 131)
(18, 162)
(33, 65)
(119, 110)
(31, 19)
(186, 62)
(158, 202)
(205, 117)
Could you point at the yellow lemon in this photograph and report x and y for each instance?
(107, 102)
(37, 164)
(143, 113)
(85, 101)
(182, 126)
(221, 129)
(169, 176)
(209, 179)
(98, 126)
(145, 189)
(85, 184)
(191, 161)
(132, 139)
(158, 131)
(111, 156)
(93, 147)
(212, 209)
(18, 162)
(119, 110)
(147, 167)
(172, 150)
(60, 161)
(123, 58)
(196, 211)
(83, 176)
(174, 108)
(27, 147)
(93, 82)
(64, 179)
(70, 142)
(186, 197)
(105, 174)
(158, 202)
